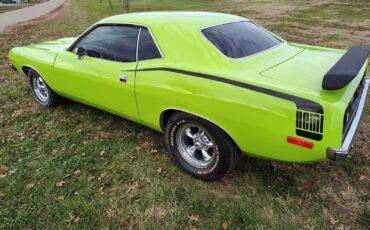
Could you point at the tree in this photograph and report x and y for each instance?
(126, 5)
(110, 4)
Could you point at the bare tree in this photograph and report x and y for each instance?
(110, 4)
(126, 5)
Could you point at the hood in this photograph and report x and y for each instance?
(57, 45)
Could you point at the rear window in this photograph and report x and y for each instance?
(240, 39)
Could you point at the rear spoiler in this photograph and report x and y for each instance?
(347, 68)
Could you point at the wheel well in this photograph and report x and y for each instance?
(25, 70)
(165, 115)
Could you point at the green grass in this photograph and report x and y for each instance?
(77, 167)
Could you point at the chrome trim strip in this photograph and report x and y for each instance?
(333, 153)
(137, 45)
(356, 120)
(31, 67)
(249, 56)
(155, 41)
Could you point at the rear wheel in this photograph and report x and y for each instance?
(199, 147)
(43, 94)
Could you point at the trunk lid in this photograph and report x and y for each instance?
(308, 68)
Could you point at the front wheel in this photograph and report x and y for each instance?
(43, 94)
(200, 147)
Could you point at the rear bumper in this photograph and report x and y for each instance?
(335, 153)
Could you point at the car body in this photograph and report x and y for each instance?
(272, 103)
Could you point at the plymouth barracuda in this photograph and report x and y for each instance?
(217, 85)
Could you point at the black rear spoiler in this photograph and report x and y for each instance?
(347, 68)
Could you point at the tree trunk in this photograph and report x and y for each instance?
(126, 5)
(110, 4)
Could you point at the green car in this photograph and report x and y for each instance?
(217, 85)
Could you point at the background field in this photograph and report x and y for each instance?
(75, 166)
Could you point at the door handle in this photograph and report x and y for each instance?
(123, 78)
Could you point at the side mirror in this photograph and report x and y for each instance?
(80, 52)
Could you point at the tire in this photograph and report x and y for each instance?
(43, 94)
(184, 132)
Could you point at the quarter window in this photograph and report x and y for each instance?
(115, 43)
(147, 47)
(240, 39)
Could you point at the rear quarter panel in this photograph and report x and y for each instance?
(258, 123)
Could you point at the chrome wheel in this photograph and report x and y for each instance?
(195, 145)
(40, 89)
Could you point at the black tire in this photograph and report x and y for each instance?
(225, 154)
(51, 99)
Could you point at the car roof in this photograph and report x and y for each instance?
(183, 18)
(178, 36)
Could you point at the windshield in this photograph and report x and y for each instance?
(240, 39)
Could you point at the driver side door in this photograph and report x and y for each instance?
(104, 77)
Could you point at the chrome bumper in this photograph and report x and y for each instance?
(333, 153)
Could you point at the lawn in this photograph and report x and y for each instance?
(74, 166)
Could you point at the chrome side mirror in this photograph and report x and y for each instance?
(80, 52)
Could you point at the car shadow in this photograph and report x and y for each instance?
(278, 177)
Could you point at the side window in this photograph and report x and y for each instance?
(115, 43)
(147, 47)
